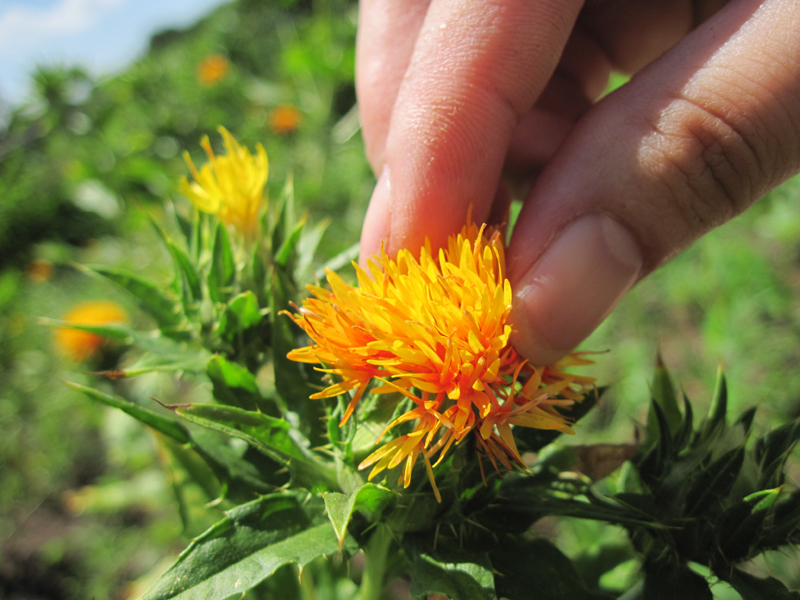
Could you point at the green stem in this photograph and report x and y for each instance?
(376, 553)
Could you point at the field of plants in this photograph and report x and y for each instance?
(95, 505)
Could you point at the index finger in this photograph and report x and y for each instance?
(476, 68)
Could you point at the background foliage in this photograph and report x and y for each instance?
(85, 507)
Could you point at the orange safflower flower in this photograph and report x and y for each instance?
(82, 345)
(285, 119)
(435, 330)
(230, 186)
(212, 68)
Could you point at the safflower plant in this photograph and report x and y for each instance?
(404, 448)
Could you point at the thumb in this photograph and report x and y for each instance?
(691, 141)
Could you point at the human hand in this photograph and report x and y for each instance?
(450, 91)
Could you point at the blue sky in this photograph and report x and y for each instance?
(100, 35)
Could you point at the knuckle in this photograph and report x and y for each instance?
(711, 166)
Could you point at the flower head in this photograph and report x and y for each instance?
(285, 119)
(212, 69)
(435, 330)
(82, 345)
(230, 186)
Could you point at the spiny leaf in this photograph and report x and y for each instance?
(160, 423)
(665, 580)
(737, 541)
(192, 290)
(222, 273)
(718, 408)
(235, 386)
(684, 435)
(241, 551)
(274, 437)
(460, 581)
(164, 309)
(288, 249)
(715, 481)
(368, 498)
(291, 380)
(663, 394)
(241, 313)
(755, 588)
(535, 568)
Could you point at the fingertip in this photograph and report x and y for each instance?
(576, 283)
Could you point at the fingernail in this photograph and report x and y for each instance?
(573, 287)
(378, 219)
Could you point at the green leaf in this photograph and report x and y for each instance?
(222, 273)
(189, 360)
(291, 380)
(190, 280)
(718, 408)
(667, 581)
(684, 434)
(306, 248)
(164, 309)
(242, 471)
(755, 588)
(535, 568)
(288, 249)
(241, 313)
(368, 498)
(663, 393)
(272, 436)
(737, 541)
(235, 386)
(715, 481)
(113, 331)
(458, 581)
(165, 425)
(249, 545)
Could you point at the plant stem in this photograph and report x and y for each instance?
(376, 553)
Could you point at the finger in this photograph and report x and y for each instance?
(633, 33)
(476, 68)
(691, 141)
(386, 35)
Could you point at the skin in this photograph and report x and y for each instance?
(460, 98)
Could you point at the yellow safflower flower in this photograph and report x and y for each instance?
(230, 186)
(436, 331)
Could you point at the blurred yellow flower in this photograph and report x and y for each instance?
(285, 119)
(230, 186)
(82, 345)
(212, 68)
(435, 331)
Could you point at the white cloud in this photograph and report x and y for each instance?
(22, 26)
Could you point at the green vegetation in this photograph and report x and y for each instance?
(92, 504)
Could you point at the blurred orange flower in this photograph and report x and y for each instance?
(212, 68)
(82, 345)
(285, 119)
(436, 332)
(39, 270)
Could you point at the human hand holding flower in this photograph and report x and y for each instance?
(451, 93)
